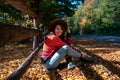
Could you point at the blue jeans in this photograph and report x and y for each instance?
(54, 61)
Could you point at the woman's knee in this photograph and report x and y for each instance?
(65, 46)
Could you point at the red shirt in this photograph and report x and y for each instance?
(52, 44)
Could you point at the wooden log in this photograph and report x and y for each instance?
(19, 72)
(35, 38)
(12, 33)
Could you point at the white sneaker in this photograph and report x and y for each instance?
(71, 65)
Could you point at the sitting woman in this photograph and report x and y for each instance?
(57, 46)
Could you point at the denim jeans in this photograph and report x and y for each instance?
(54, 61)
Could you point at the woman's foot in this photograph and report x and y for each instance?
(86, 58)
(71, 65)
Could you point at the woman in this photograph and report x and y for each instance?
(57, 46)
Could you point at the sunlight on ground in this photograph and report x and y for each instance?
(106, 64)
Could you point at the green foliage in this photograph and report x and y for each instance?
(49, 10)
(9, 14)
(73, 25)
(102, 18)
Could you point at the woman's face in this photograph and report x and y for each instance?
(58, 30)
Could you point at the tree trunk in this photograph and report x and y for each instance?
(12, 33)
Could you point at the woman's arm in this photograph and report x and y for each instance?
(53, 40)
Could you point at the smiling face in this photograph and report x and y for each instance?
(58, 30)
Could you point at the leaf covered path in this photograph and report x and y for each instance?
(106, 65)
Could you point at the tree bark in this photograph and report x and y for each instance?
(12, 33)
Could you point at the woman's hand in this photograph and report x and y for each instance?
(68, 30)
(51, 33)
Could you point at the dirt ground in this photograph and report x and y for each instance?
(106, 65)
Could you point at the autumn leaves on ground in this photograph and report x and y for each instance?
(106, 65)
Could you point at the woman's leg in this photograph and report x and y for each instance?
(60, 54)
(68, 58)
